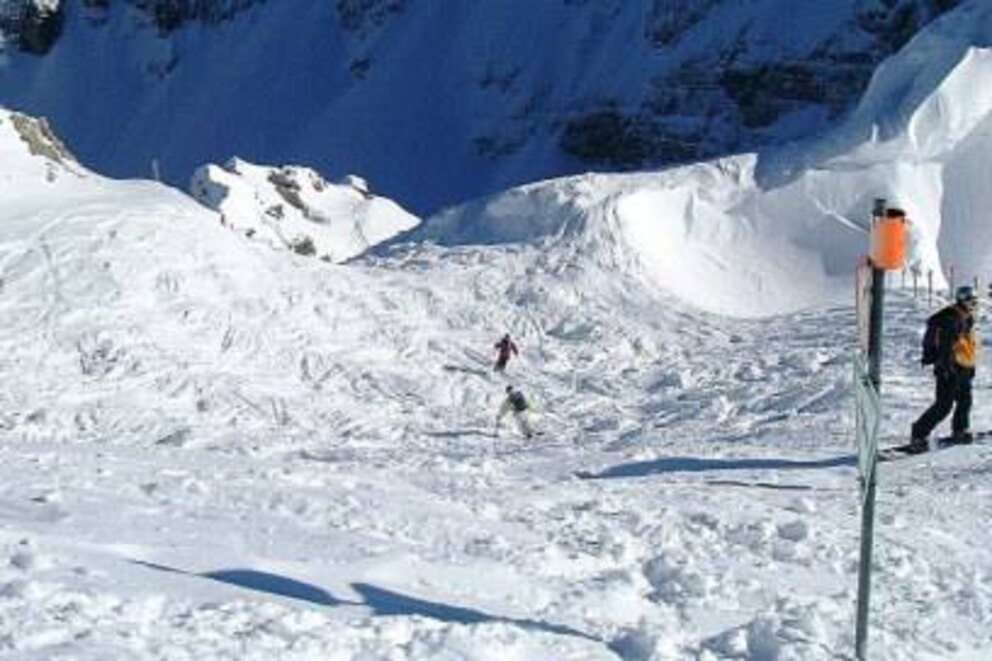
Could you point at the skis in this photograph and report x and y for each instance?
(909, 450)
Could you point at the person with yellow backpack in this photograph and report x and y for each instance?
(950, 344)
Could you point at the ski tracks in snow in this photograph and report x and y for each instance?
(331, 426)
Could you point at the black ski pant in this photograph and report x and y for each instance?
(953, 391)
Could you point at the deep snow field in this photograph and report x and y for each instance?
(213, 448)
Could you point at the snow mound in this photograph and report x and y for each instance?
(295, 207)
(706, 234)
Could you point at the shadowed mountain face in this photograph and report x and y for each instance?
(436, 105)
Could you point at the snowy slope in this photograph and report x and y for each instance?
(214, 449)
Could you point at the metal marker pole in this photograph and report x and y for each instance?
(868, 507)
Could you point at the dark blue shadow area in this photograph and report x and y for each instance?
(386, 602)
(382, 602)
(696, 465)
(275, 584)
(759, 485)
(477, 371)
(458, 433)
(262, 582)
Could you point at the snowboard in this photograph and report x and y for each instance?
(942, 443)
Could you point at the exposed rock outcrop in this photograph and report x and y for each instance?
(33, 26)
(726, 101)
(40, 139)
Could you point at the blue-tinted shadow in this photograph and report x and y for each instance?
(697, 465)
(261, 581)
(387, 602)
(382, 602)
(459, 433)
(275, 584)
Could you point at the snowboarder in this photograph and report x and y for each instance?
(951, 333)
(517, 404)
(505, 347)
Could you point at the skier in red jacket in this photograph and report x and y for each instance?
(505, 347)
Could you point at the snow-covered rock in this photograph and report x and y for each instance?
(296, 208)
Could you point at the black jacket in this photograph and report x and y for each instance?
(953, 322)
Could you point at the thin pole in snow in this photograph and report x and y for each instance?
(868, 508)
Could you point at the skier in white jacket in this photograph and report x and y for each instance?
(517, 404)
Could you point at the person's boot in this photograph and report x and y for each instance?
(918, 444)
(962, 438)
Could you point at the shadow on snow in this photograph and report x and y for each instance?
(275, 584)
(260, 581)
(459, 433)
(698, 465)
(383, 602)
(387, 602)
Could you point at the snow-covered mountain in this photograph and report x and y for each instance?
(437, 103)
(217, 449)
(753, 235)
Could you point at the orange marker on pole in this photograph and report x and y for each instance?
(888, 241)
